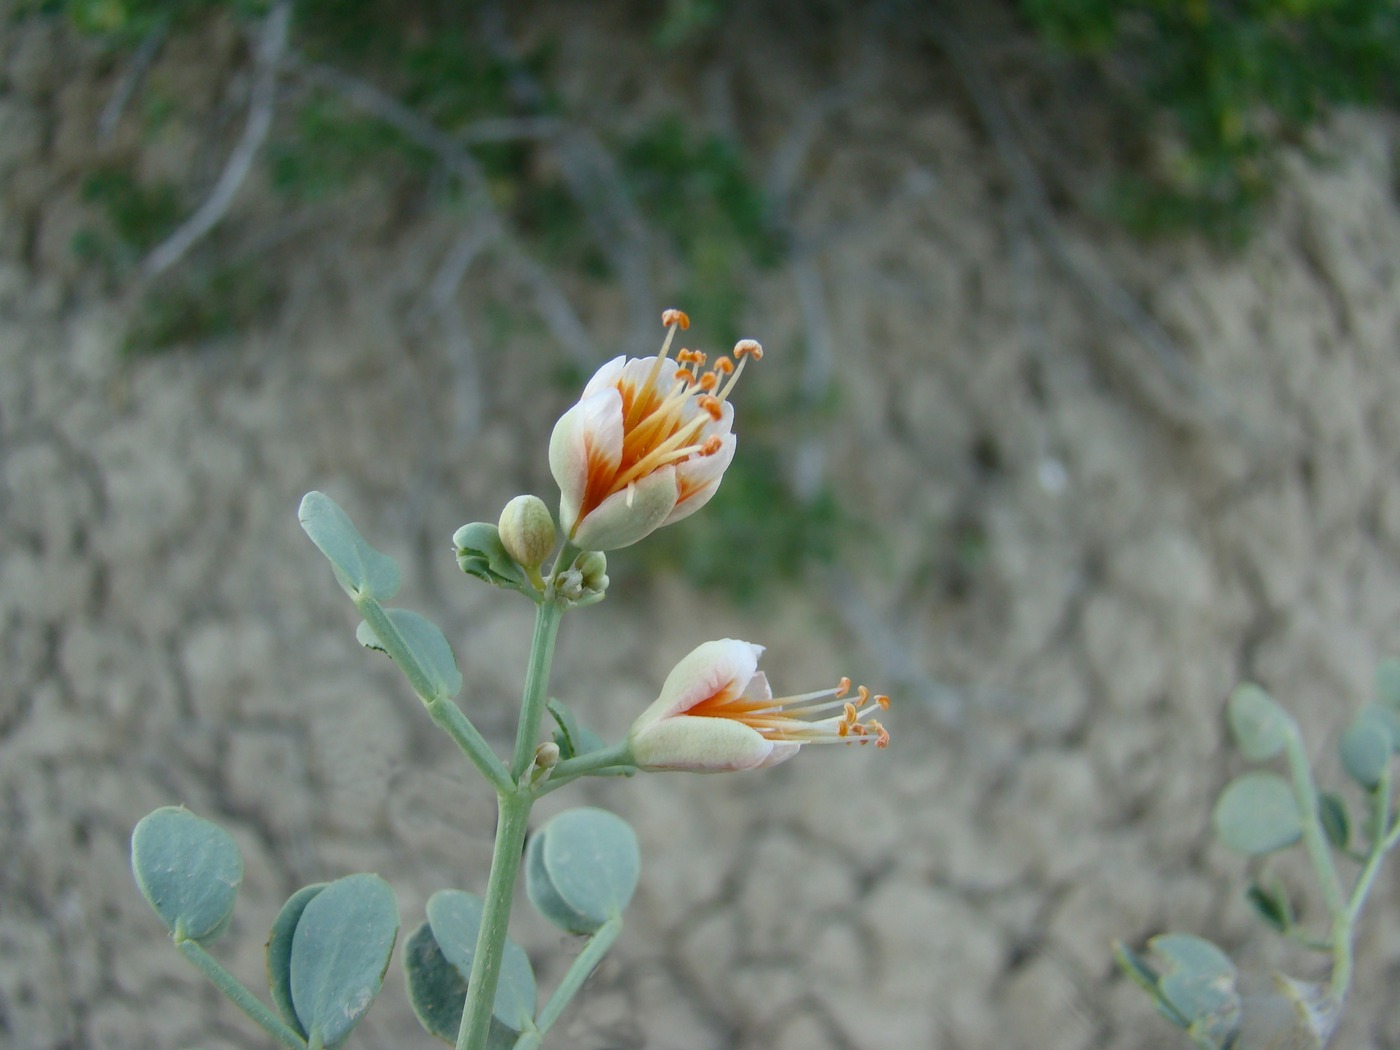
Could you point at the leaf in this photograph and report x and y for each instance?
(340, 951)
(1256, 814)
(481, 553)
(279, 953)
(455, 918)
(436, 989)
(581, 868)
(1366, 747)
(573, 738)
(1272, 906)
(426, 643)
(358, 567)
(1199, 982)
(189, 870)
(1332, 815)
(1259, 724)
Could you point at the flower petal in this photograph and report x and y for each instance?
(625, 517)
(707, 670)
(605, 377)
(700, 745)
(587, 436)
(697, 479)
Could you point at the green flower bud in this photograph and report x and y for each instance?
(527, 531)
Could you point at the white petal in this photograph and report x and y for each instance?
(605, 377)
(699, 745)
(706, 670)
(698, 479)
(614, 523)
(591, 429)
(782, 751)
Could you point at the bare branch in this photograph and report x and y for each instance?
(131, 79)
(551, 302)
(272, 43)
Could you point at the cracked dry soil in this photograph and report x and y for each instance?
(168, 635)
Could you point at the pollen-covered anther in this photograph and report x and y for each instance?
(724, 365)
(864, 694)
(842, 687)
(712, 405)
(708, 381)
(712, 444)
(672, 316)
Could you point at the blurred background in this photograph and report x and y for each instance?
(1078, 408)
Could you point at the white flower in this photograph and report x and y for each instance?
(646, 444)
(716, 713)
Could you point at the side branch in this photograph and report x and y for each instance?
(272, 44)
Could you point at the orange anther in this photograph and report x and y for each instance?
(712, 444)
(843, 729)
(843, 687)
(851, 714)
(724, 365)
(864, 694)
(883, 739)
(709, 381)
(673, 316)
(883, 701)
(684, 375)
(748, 346)
(712, 405)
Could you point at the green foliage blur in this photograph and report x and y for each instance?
(1229, 82)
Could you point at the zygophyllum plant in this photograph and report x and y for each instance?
(1194, 984)
(647, 444)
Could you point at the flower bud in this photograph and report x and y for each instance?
(527, 531)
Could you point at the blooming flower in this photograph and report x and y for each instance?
(716, 712)
(647, 442)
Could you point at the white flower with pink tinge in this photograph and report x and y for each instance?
(716, 713)
(646, 444)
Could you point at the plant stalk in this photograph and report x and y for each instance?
(239, 994)
(513, 807)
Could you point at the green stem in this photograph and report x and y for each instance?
(513, 806)
(239, 995)
(533, 701)
(618, 757)
(1314, 838)
(395, 646)
(443, 709)
(577, 974)
(514, 816)
(458, 726)
(1382, 839)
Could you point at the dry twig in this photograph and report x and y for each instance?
(272, 43)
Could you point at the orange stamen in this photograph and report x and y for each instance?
(672, 316)
(843, 687)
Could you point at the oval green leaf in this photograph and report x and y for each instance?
(581, 868)
(358, 567)
(1256, 814)
(455, 918)
(279, 953)
(427, 644)
(436, 989)
(1366, 748)
(1259, 724)
(189, 870)
(340, 951)
(1198, 981)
